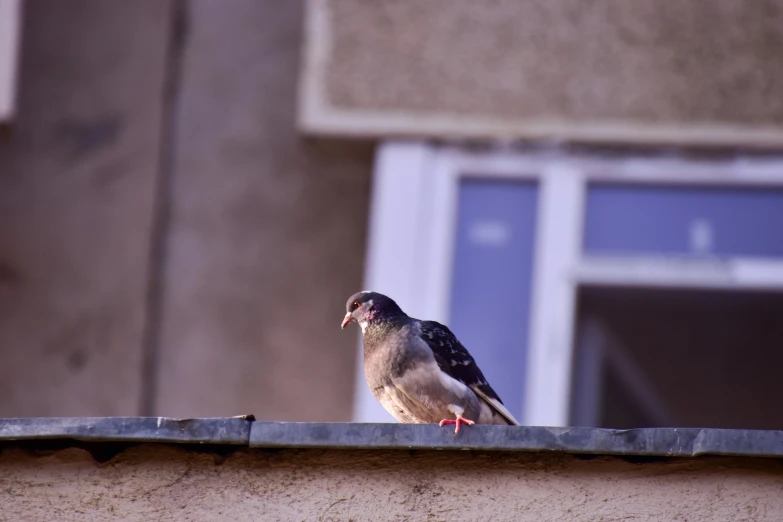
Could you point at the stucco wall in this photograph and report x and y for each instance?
(170, 483)
(660, 70)
(266, 233)
(169, 243)
(78, 174)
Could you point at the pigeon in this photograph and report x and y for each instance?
(418, 370)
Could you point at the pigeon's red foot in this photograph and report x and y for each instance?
(459, 421)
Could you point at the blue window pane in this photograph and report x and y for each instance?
(491, 284)
(684, 221)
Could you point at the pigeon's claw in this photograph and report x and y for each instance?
(459, 421)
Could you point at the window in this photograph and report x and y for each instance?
(545, 237)
(491, 280)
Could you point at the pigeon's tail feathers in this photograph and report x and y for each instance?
(495, 405)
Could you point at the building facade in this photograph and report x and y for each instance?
(588, 194)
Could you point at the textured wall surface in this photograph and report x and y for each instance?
(77, 190)
(168, 483)
(169, 243)
(604, 62)
(267, 230)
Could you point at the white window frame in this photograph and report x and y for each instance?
(412, 232)
(10, 29)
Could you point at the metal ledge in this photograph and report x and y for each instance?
(664, 442)
(232, 430)
(244, 431)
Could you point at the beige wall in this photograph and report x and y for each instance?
(267, 230)
(77, 188)
(679, 71)
(228, 300)
(169, 483)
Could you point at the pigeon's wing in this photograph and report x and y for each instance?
(454, 360)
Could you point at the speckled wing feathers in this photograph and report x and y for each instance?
(454, 360)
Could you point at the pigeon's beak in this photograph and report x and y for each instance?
(346, 320)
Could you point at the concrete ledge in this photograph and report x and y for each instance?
(238, 469)
(244, 431)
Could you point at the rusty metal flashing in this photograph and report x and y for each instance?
(244, 431)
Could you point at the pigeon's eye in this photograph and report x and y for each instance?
(356, 305)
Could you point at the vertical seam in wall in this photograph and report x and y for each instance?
(161, 219)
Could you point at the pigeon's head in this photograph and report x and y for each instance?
(368, 307)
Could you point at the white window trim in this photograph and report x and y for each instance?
(10, 29)
(412, 232)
